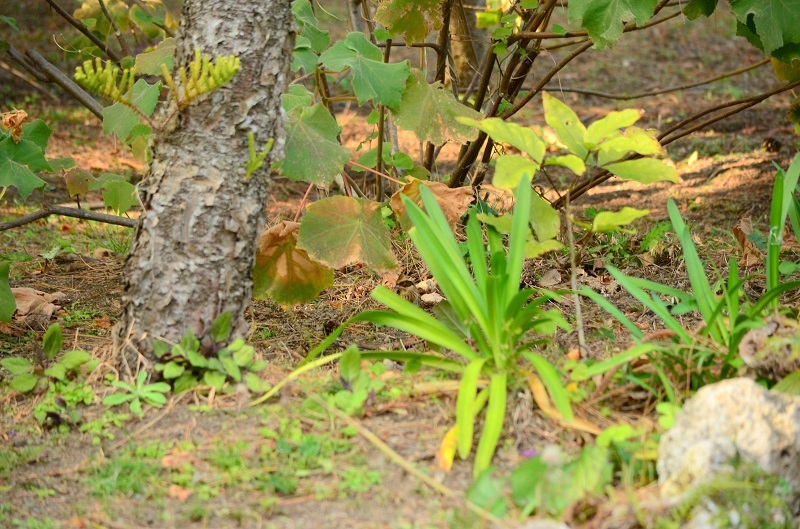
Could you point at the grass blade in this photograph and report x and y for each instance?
(465, 403)
(493, 425)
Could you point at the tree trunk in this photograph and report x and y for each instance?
(194, 249)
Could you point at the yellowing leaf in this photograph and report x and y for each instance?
(511, 168)
(645, 171)
(570, 161)
(612, 122)
(432, 113)
(413, 19)
(339, 231)
(542, 400)
(453, 201)
(534, 248)
(285, 273)
(544, 219)
(447, 450)
(614, 220)
(565, 123)
(523, 138)
(631, 140)
(78, 181)
(149, 63)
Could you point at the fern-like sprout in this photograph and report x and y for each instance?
(101, 79)
(203, 76)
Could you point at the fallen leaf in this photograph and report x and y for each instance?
(453, 201)
(179, 493)
(447, 450)
(389, 279)
(432, 298)
(30, 301)
(550, 278)
(542, 400)
(751, 255)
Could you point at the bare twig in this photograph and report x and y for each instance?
(57, 76)
(68, 212)
(80, 26)
(652, 93)
(123, 44)
(28, 78)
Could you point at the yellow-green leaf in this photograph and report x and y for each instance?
(511, 168)
(614, 220)
(645, 171)
(501, 131)
(565, 123)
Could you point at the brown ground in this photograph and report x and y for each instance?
(730, 181)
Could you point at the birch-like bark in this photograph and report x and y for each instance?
(195, 246)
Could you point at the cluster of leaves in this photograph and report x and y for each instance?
(221, 368)
(358, 385)
(62, 380)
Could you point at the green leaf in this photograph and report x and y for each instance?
(298, 96)
(24, 383)
(221, 327)
(10, 21)
(285, 273)
(8, 305)
(61, 164)
(603, 19)
(433, 114)
(14, 174)
(515, 135)
(544, 219)
(215, 379)
(465, 406)
(38, 133)
(173, 370)
(304, 57)
(119, 195)
(350, 364)
(372, 79)
(777, 22)
(645, 171)
(73, 360)
(535, 248)
(413, 19)
(256, 384)
(17, 365)
(119, 119)
(312, 152)
(565, 123)
(697, 8)
(309, 26)
(510, 169)
(185, 382)
(115, 399)
(26, 153)
(144, 97)
(570, 161)
(56, 371)
(613, 220)
(603, 128)
(52, 341)
(339, 231)
(149, 63)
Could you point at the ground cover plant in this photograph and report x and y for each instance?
(381, 200)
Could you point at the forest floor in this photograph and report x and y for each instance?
(213, 461)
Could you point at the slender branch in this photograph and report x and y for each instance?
(441, 63)
(72, 88)
(80, 26)
(432, 45)
(28, 79)
(652, 93)
(68, 212)
(381, 125)
(123, 44)
(630, 26)
(149, 13)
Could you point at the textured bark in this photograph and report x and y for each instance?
(195, 246)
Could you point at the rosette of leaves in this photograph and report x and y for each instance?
(185, 367)
(37, 375)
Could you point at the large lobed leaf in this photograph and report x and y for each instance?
(372, 78)
(285, 273)
(413, 19)
(339, 231)
(433, 114)
(312, 152)
(776, 24)
(604, 19)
